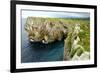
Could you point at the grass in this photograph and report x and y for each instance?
(84, 36)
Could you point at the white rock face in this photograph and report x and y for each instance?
(75, 57)
(84, 56)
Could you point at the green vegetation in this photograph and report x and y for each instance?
(84, 38)
(84, 34)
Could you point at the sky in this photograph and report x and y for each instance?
(52, 14)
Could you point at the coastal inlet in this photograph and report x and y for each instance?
(55, 39)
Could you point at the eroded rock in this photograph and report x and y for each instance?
(45, 30)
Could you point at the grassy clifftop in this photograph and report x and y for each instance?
(77, 43)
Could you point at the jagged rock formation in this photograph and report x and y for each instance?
(45, 30)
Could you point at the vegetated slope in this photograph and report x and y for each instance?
(77, 45)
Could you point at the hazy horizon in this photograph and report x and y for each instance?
(52, 14)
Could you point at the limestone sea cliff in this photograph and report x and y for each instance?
(45, 30)
(75, 32)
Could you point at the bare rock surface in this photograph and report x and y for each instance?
(45, 30)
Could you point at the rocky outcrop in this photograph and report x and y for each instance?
(45, 30)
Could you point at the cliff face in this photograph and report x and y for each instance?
(75, 31)
(45, 30)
